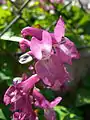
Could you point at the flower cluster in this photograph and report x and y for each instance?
(48, 5)
(51, 51)
(2, 2)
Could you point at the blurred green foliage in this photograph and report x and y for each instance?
(77, 24)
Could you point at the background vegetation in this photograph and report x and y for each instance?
(16, 15)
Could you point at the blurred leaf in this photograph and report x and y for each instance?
(67, 113)
(83, 97)
(4, 113)
(8, 37)
(2, 116)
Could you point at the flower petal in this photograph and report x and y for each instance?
(53, 70)
(7, 95)
(50, 114)
(36, 48)
(46, 41)
(29, 83)
(55, 102)
(40, 99)
(24, 44)
(68, 51)
(34, 32)
(59, 30)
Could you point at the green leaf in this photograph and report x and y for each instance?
(7, 36)
(2, 116)
(64, 113)
(5, 114)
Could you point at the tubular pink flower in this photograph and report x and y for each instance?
(20, 89)
(67, 48)
(34, 32)
(18, 96)
(52, 50)
(41, 102)
(49, 67)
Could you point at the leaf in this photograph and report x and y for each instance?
(83, 97)
(2, 116)
(5, 114)
(8, 37)
(64, 113)
(61, 112)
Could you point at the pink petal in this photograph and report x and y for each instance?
(53, 70)
(46, 41)
(68, 51)
(25, 108)
(36, 48)
(42, 102)
(40, 99)
(7, 96)
(29, 83)
(55, 102)
(24, 44)
(34, 32)
(59, 30)
(50, 114)
(72, 48)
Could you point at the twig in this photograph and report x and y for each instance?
(53, 23)
(65, 6)
(11, 23)
(17, 13)
(23, 6)
(14, 4)
(82, 6)
(15, 19)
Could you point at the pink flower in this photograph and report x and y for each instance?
(67, 49)
(41, 102)
(18, 96)
(20, 89)
(56, 1)
(48, 4)
(22, 95)
(45, 6)
(52, 50)
(49, 67)
(2, 1)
